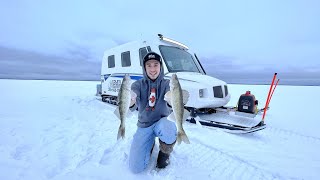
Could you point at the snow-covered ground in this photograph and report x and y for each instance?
(59, 130)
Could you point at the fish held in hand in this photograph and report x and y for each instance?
(124, 100)
(178, 99)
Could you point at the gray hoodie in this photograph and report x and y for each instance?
(148, 116)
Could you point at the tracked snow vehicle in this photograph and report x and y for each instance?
(208, 95)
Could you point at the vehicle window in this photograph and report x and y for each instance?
(178, 60)
(217, 91)
(142, 52)
(125, 59)
(111, 63)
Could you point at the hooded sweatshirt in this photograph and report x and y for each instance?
(149, 115)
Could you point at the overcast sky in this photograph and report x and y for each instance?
(249, 35)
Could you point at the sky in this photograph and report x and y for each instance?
(228, 36)
(61, 130)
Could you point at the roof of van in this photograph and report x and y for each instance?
(142, 42)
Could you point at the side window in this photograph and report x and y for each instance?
(125, 59)
(142, 52)
(111, 63)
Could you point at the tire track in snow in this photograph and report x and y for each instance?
(219, 164)
(264, 141)
(273, 131)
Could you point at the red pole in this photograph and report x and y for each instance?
(265, 107)
(273, 92)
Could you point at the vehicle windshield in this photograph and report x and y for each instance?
(178, 60)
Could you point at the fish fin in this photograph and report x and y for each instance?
(171, 117)
(186, 114)
(117, 113)
(178, 140)
(167, 96)
(121, 132)
(185, 97)
(182, 136)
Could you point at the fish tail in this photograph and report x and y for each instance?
(121, 132)
(182, 136)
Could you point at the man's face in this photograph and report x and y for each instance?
(152, 69)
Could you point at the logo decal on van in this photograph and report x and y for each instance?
(114, 85)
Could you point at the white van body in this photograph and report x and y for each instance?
(208, 95)
(205, 91)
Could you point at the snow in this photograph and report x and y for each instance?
(59, 130)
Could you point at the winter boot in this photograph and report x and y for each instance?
(164, 154)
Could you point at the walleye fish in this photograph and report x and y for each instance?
(124, 99)
(178, 99)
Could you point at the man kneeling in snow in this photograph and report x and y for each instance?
(148, 96)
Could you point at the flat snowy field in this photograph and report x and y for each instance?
(59, 130)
